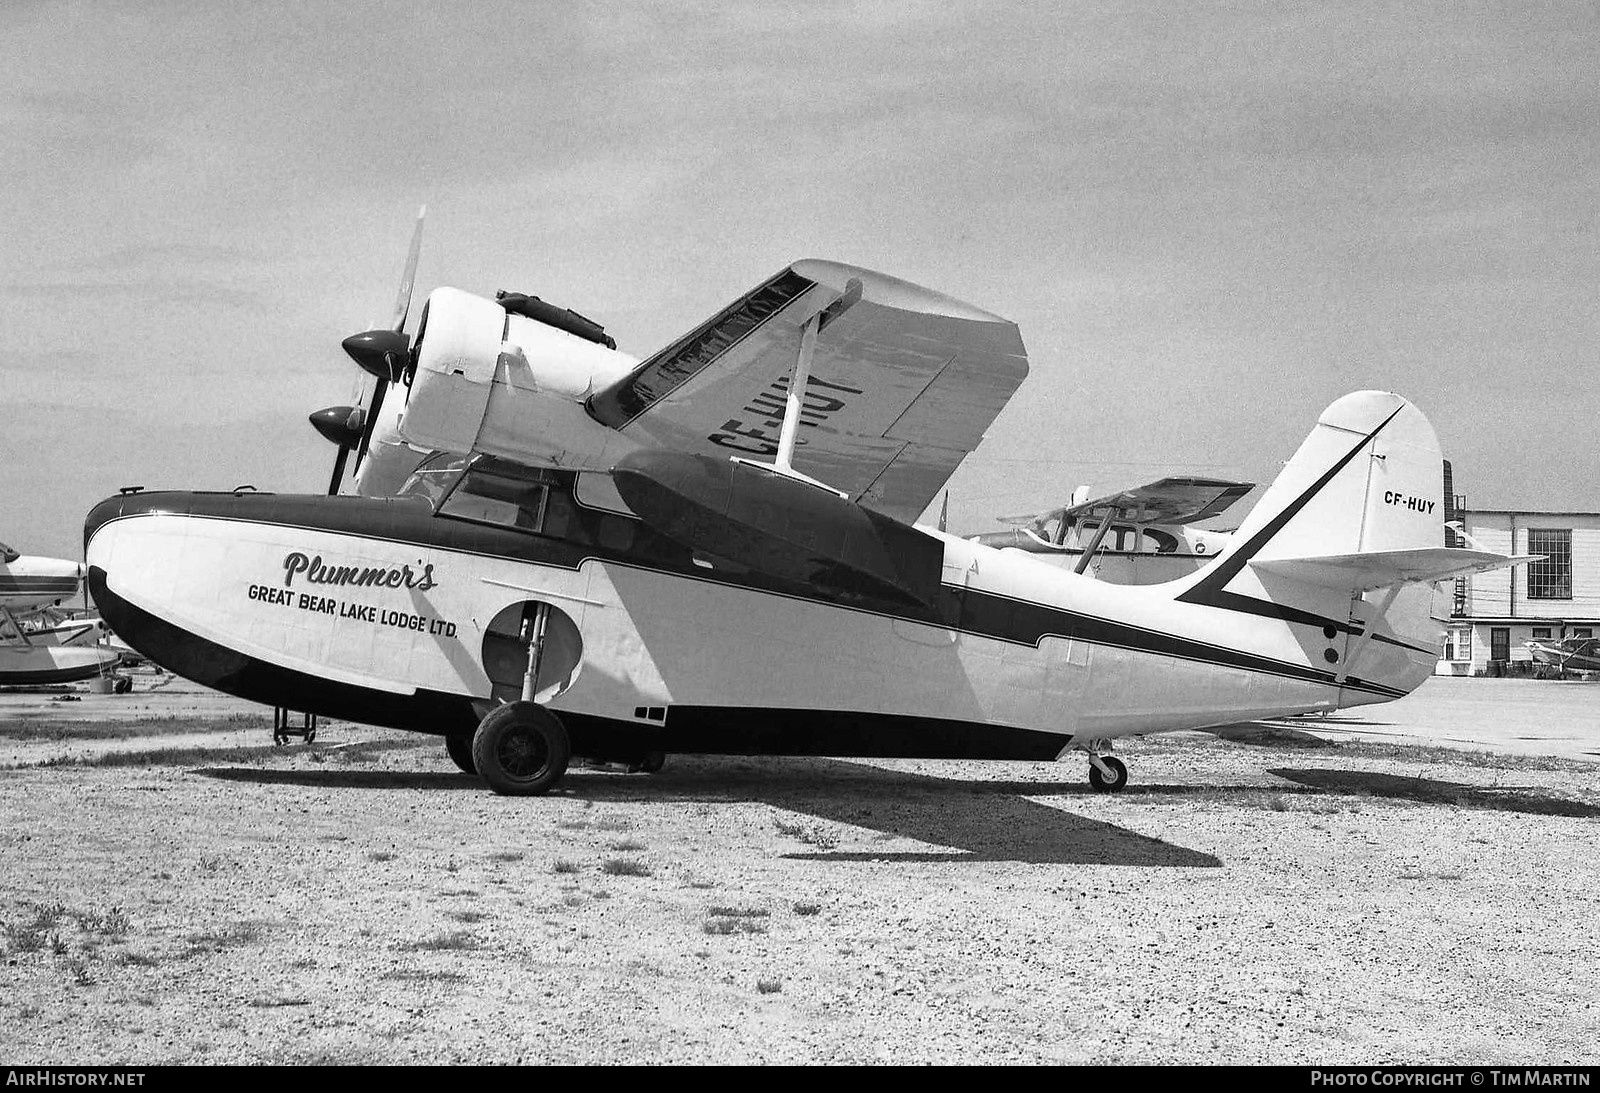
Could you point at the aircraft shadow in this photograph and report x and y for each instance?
(334, 778)
(978, 821)
(1269, 735)
(1433, 791)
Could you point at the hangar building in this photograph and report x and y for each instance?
(1488, 616)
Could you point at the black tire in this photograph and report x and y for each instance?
(652, 762)
(459, 745)
(1114, 784)
(521, 749)
(122, 686)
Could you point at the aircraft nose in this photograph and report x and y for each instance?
(99, 516)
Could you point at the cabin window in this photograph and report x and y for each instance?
(1160, 542)
(495, 491)
(434, 476)
(1550, 578)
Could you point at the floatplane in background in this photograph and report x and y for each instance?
(41, 640)
(713, 550)
(1567, 655)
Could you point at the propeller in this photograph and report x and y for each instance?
(386, 354)
(343, 426)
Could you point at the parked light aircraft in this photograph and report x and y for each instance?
(1140, 536)
(712, 550)
(39, 643)
(1567, 654)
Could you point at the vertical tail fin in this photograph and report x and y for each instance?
(1368, 478)
(1352, 518)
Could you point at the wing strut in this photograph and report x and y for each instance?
(794, 403)
(10, 621)
(797, 394)
(1094, 545)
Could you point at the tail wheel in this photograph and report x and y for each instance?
(1112, 783)
(459, 745)
(521, 749)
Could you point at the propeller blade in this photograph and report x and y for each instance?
(378, 390)
(385, 353)
(338, 470)
(402, 304)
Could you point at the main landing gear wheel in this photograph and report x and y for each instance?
(521, 749)
(459, 745)
(1112, 782)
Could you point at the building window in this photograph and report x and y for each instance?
(1550, 578)
(1583, 632)
(1541, 633)
(1460, 645)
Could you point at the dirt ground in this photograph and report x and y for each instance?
(177, 890)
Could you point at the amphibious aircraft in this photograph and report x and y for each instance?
(1144, 535)
(713, 550)
(39, 643)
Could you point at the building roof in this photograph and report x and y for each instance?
(1473, 510)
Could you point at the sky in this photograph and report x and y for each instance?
(1208, 220)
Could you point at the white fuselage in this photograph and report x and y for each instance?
(1021, 643)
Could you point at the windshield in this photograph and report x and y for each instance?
(434, 476)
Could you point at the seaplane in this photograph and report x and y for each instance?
(41, 642)
(1143, 535)
(714, 549)
(1575, 655)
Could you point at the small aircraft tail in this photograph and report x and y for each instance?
(1353, 519)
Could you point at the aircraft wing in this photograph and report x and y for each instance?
(1182, 500)
(904, 382)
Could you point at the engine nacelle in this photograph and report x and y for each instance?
(488, 380)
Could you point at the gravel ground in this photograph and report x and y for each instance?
(1262, 898)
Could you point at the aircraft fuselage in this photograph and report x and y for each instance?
(381, 611)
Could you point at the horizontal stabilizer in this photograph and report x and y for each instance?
(1382, 568)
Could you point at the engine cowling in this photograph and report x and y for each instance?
(491, 380)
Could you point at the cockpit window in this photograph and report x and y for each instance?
(495, 491)
(434, 476)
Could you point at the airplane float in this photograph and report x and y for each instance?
(39, 643)
(713, 550)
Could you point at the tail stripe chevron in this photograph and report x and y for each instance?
(1211, 590)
